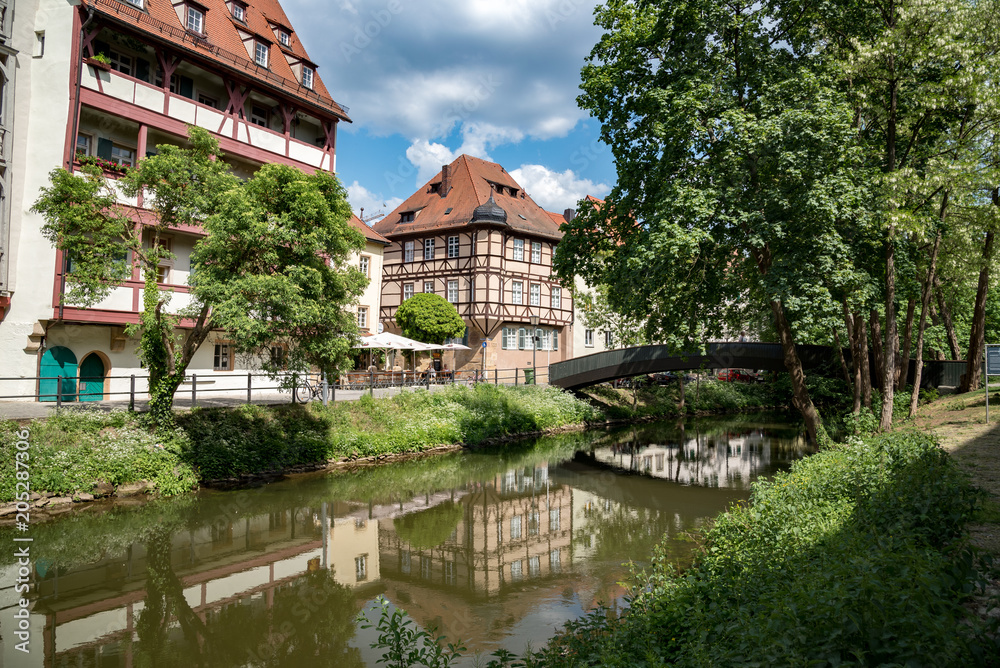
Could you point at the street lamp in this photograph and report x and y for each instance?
(534, 346)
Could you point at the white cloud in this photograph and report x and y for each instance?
(362, 198)
(555, 191)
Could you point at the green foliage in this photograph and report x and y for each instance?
(426, 529)
(429, 318)
(74, 450)
(405, 645)
(101, 58)
(854, 557)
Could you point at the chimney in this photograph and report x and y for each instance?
(569, 215)
(445, 181)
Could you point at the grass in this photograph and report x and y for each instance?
(74, 451)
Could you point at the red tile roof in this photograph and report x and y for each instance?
(223, 45)
(470, 186)
(369, 233)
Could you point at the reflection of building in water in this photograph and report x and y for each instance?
(720, 460)
(502, 532)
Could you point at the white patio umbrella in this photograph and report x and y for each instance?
(454, 346)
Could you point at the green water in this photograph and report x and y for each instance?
(496, 549)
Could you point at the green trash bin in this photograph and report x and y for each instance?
(529, 376)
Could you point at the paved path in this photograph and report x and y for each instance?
(17, 410)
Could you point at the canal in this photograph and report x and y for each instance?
(499, 550)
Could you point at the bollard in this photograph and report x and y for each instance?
(194, 390)
(59, 391)
(371, 383)
(326, 401)
(249, 381)
(131, 393)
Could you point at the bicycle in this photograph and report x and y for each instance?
(308, 390)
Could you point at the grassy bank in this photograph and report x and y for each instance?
(854, 557)
(90, 452)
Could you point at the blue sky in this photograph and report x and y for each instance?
(428, 81)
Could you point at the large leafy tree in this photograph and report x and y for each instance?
(738, 169)
(272, 269)
(429, 318)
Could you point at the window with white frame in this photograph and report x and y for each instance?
(554, 561)
(123, 155)
(361, 567)
(195, 20)
(556, 296)
(509, 338)
(429, 287)
(453, 291)
(239, 12)
(516, 288)
(208, 101)
(362, 317)
(223, 358)
(515, 527)
(365, 265)
(121, 62)
(407, 291)
(588, 338)
(407, 251)
(536, 252)
(534, 566)
(307, 77)
(135, 3)
(84, 144)
(452, 246)
(284, 38)
(428, 249)
(554, 516)
(519, 249)
(260, 53)
(609, 340)
(535, 294)
(260, 115)
(517, 569)
(546, 342)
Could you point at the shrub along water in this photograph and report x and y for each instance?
(75, 450)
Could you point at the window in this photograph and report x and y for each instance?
(425, 567)
(536, 252)
(517, 569)
(554, 517)
(260, 53)
(429, 287)
(239, 13)
(428, 249)
(533, 523)
(361, 567)
(84, 144)
(554, 561)
(522, 339)
(121, 62)
(223, 359)
(515, 527)
(39, 50)
(260, 116)
(208, 101)
(407, 251)
(195, 20)
(452, 246)
(278, 356)
(534, 566)
(588, 338)
(135, 3)
(307, 77)
(362, 317)
(555, 339)
(365, 265)
(284, 38)
(535, 294)
(609, 340)
(515, 292)
(453, 291)
(122, 155)
(509, 338)
(407, 291)
(518, 249)
(546, 341)
(556, 296)
(407, 216)
(449, 572)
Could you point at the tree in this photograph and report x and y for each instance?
(429, 318)
(599, 315)
(272, 269)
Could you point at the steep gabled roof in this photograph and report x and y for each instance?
(223, 45)
(370, 234)
(447, 203)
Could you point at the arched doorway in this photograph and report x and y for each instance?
(57, 361)
(92, 374)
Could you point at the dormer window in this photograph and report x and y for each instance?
(307, 77)
(406, 217)
(195, 20)
(435, 187)
(135, 3)
(239, 12)
(260, 54)
(284, 38)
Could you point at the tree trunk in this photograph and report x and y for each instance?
(853, 334)
(949, 326)
(876, 344)
(800, 393)
(843, 362)
(680, 386)
(925, 302)
(903, 360)
(866, 371)
(974, 359)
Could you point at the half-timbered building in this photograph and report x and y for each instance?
(108, 81)
(472, 235)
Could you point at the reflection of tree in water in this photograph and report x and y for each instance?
(617, 532)
(309, 624)
(429, 528)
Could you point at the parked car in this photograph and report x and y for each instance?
(670, 377)
(733, 375)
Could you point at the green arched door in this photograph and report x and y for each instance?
(57, 361)
(92, 378)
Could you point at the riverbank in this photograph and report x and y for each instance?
(79, 456)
